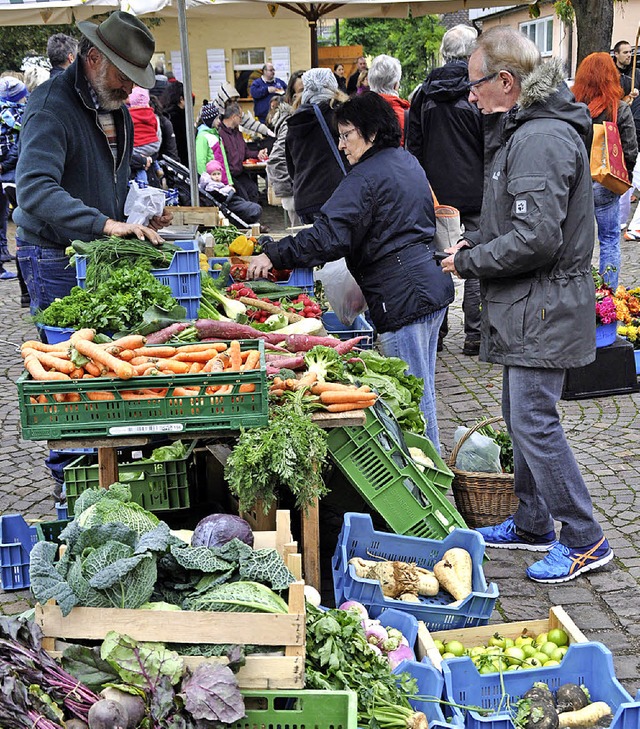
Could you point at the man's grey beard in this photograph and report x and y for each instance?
(108, 98)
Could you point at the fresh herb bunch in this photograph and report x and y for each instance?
(338, 657)
(503, 439)
(289, 453)
(107, 255)
(115, 306)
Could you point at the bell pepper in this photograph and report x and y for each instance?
(241, 246)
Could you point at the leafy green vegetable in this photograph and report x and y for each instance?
(326, 363)
(503, 439)
(243, 596)
(289, 453)
(156, 318)
(115, 305)
(175, 451)
(135, 662)
(400, 390)
(211, 693)
(108, 510)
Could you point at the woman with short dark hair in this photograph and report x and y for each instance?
(381, 220)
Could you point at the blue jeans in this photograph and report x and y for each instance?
(607, 208)
(47, 273)
(548, 482)
(416, 344)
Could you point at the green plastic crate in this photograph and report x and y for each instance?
(49, 531)
(158, 486)
(390, 482)
(87, 418)
(441, 475)
(299, 710)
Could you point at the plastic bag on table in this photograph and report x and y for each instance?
(477, 453)
(143, 203)
(342, 291)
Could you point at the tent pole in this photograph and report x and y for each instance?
(313, 29)
(188, 103)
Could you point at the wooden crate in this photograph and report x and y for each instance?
(195, 216)
(271, 671)
(558, 618)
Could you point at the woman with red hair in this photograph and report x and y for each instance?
(597, 84)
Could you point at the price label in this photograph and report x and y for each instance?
(142, 429)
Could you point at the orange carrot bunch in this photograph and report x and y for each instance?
(334, 396)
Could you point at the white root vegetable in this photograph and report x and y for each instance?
(588, 716)
(417, 721)
(311, 595)
(133, 704)
(409, 597)
(397, 577)
(454, 572)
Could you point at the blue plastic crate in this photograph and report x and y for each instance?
(359, 328)
(430, 683)
(359, 539)
(182, 276)
(404, 622)
(301, 278)
(590, 664)
(62, 512)
(16, 541)
(53, 335)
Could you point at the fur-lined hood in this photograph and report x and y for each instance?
(544, 93)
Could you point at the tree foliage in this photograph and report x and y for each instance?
(18, 41)
(415, 43)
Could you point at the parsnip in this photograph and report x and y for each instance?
(409, 597)
(454, 572)
(589, 716)
(427, 583)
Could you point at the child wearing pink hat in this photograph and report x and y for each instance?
(146, 132)
(211, 182)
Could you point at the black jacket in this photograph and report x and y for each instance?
(352, 83)
(312, 165)
(381, 219)
(445, 134)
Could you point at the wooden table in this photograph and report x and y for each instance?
(254, 167)
(309, 519)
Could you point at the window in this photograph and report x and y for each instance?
(541, 33)
(247, 65)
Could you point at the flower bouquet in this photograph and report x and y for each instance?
(606, 312)
(628, 308)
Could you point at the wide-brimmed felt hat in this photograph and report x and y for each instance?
(127, 43)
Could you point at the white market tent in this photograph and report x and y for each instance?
(53, 12)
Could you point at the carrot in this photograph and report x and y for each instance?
(178, 368)
(37, 371)
(42, 347)
(131, 341)
(129, 395)
(43, 399)
(195, 367)
(151, 371)
(87, 334)
(225, 390)
(321, 387)
(140, 369)
(203, 346)
(93, 369)
(143, 359)
(101, 395)
(87, 376)
(252, 362)
(123, 369)
(185, 392)
(77, 373)
(126, 355)
(33, 400)
(59, 396)
(276, 393)
(53, 363)
(73, 397)
(154, 351)
(306, 380)
(329, 398)
(235, 358)
(216, 364)
(249, 387)
(344, 407)
(203, 356)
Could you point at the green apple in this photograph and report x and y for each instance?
(446, 655)
(542, 657)
(523, 640)
(532, 663)
(558, 636)
(439, 645)
(559, 653)
(497, 640)
(455, 647)
(529, 650)
(548, 648)
(551, 662)
(514, 655)
(477, 650)
(541, 639)
(509, 642)
(514, 667)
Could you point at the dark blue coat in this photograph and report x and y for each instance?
(67, 180)
(381, 219)
(262, 98)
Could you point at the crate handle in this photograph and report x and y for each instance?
(468, 434)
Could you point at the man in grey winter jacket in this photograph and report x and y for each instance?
(532, 255)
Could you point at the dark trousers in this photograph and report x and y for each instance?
(246, 186)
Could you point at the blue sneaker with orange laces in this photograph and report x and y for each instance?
(563, 564)
(509, 536)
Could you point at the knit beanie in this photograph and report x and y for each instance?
(12, 89)
(208, 113)
(138, 97)
(213, 166)
(319, 84)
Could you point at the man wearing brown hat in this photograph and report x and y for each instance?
(76, 144)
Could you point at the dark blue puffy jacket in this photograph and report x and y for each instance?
(381, 219)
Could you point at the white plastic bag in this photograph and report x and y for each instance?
(477, 453)
(143, 203)
(342, 291)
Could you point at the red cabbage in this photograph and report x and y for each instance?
(218, 529)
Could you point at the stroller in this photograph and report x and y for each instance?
(241, 213)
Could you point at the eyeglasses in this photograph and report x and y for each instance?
(473, 84)
(345, 135)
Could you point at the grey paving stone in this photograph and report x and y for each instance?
(570, 595)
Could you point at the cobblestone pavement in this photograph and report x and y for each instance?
(603, 433)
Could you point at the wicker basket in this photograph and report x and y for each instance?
(483, 499)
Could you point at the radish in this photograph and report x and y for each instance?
(402, 653)
(355, 607)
